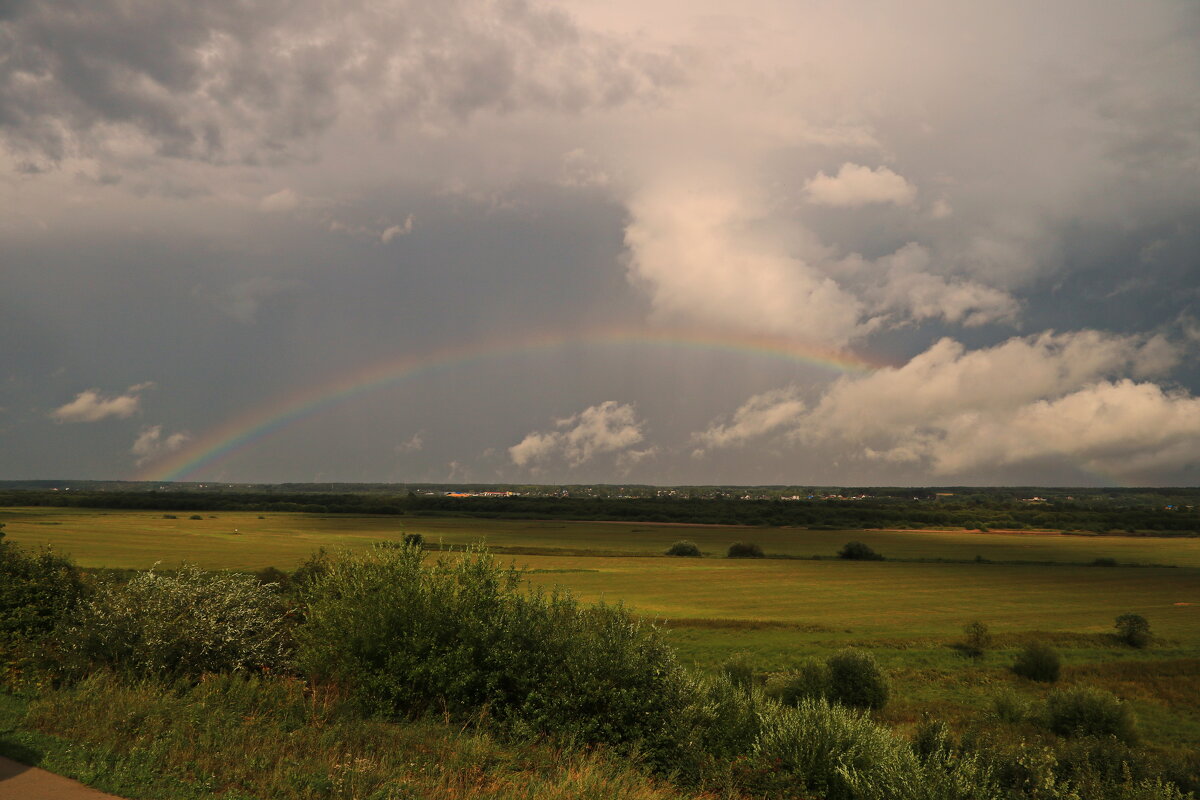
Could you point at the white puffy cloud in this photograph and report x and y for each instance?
(151, 444)
(91, 405)
(700, 255)
(412, 444)
(605, 428)
(856, 185)
(396, 231)
(758, 416)
(1060, 396)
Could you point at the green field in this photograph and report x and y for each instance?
(909, 611)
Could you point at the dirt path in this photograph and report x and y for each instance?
(22, 782)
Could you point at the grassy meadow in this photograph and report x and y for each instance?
(910, 609)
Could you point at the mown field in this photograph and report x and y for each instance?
(910, 609)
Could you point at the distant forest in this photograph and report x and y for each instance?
(1164, 511)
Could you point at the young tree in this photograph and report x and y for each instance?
(1133, 629)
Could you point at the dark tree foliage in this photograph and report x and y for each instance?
(1133, 629)
(36, 589)
(857, 551)
(1038, 661)
(686, 549)
(744, 550)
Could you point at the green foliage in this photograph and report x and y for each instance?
(459, 635)
(1010, 707)
(195, 516)
(184, 623)
(978, 639)
(809, 680)
(1133, 629)
(744, 550)
(856, 680)
(857, 551)
(37, 589)
(739, 670)
(1083, 711)
(1038, 661)
(683, 548)
(414, 540)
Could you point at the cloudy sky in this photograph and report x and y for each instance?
(686, 241)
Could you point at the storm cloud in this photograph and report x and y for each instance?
(989, 213)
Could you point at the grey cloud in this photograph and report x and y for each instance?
(228, 81)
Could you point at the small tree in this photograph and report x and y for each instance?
(744, 550)
(1038, 662)
(979, 638)
(686, 549)
(1133, 629)
(414, 540)
(1083, 711)
(857, 551)
(855, 679)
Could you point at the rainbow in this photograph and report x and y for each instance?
(247, 429)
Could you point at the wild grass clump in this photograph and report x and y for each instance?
(1038, 661)
(185, 623)
(1083, 711)
(684, 549)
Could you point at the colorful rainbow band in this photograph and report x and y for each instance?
(250, 427)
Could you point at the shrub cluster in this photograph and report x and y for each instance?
(1083, 711)
(37, 590)
(857, 551)
(850, 678)
(686, 549)
(744, 550)
(1133, 630)
(181, 624)
(1038, 661)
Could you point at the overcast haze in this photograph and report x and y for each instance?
(884, 242)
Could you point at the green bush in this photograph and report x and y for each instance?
(1133, 629)
(739, 670)
(856, 680)
(744, 550)
(414, 540)
(686, 549)
(37, 589)
(182, 624)
(1010, 707)
(807, 681)
(1038, 662)
(1083, 711)
(461, 635)
(979, 638)
(857, 551)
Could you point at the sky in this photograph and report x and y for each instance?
(886, 242)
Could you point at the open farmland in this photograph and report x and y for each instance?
(910, 609)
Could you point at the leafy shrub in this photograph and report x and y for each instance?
(461, 635)
(739, 670)
(856, 680)
(37, 589)
(1104, 562)
(1083, 711)
(857, 551)
(687, 549)
(840, 754)
(932, 739)
(1010, 707)
(1038, 662)
(195, 516)
(807, 681)
(181, 624)
(1133, 629)
(169, 516)
(978, 639)
(414, 540)
(744, 550)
